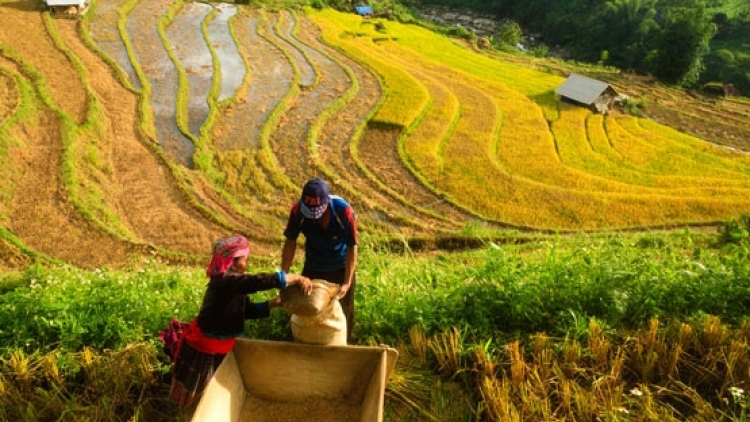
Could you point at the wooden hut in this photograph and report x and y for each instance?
(597, 95)
(67, 7)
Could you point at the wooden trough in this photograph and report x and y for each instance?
(275, 381)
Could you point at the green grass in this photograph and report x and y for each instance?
(494, 292)
(486, 333)
(732, 8)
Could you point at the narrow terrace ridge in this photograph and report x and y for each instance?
(24, 30)
(286, 26)
(192, 200)
(656, 158)
(238, 133)
(423, 146)
(45, 213)
(574, 146)
(289, 139)
(697, 158)
(231, 65)
(341, 124)
(439, 139)
(143, 190)
(194, 64)
(105, 33)
(44, 220)
(544, 205)
(296, 128)
(702, 116)
(161, 77)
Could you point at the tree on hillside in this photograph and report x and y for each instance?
(728, 66)
(683, 43)
(510, 33)
(629, 25)
(575, 25)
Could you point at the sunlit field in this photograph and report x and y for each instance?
(487, 143)
(529, 259)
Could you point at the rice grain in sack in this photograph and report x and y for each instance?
(317, 318)
(328, 327)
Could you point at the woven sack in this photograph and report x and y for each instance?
(297, 303)
(326, 328)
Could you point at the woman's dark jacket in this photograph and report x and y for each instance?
(226, 305)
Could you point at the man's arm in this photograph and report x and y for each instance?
(351, 251)
(287, 254)
(351, 265)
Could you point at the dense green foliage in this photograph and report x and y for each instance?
(78, 344)
(645, 307)
(498, 292)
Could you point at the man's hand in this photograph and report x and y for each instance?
(343, 290)
(303, 282)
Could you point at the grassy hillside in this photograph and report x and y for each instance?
(511, 245)
(170, 124)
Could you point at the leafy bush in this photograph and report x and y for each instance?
(70, 308)
(460, 32)
(510, 33)
(500, 292)
(736, 230)
(634, 106)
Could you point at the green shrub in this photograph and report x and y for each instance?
(634, 106)
(736, 230)
(460, 32)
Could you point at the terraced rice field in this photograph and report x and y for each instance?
(154, 127)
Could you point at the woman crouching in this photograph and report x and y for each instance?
(211, 335)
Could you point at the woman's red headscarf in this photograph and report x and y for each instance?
(226, 250)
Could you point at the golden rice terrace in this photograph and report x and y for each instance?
(155, 127)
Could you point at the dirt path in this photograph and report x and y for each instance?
(9, 96)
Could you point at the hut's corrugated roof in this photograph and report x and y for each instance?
(582, 89)
(363, 10)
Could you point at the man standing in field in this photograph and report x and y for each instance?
(330, 229)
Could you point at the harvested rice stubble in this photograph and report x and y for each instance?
(312, 409)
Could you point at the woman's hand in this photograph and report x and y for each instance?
(303, 282)
(274, 302)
